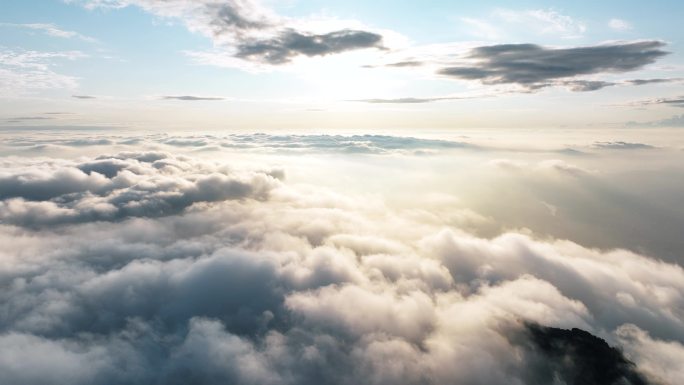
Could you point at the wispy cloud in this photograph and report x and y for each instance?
(480, 28)
(593, 85)
(544, 21)
(51, 30)
(619, 25)
(674, 121)
(504, 23)
(642, 82)
(191, 98)
(31, 118)
(83, 97)
(421, 100)
(24, 71)
(620, 145)
(408, 100)
(675, 101)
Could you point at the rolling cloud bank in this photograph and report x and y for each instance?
(151, 266)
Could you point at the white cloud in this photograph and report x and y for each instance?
(24, 71)
(481, 28)
(545, 21)
(619, 25)
(51, 30)
(286, 283)
(661, 359)
(556, 166)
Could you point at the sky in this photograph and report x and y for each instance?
(361, 192)
(215, 64)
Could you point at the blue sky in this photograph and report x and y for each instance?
(127, 56)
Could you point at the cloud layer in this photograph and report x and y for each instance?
(145, 267)
(113, 188)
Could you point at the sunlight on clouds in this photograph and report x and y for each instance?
(211, 263)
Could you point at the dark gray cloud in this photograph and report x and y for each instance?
(593, 85)
(291, 43)
(83, 97)
(532, 66)
(408, 100)
(19, 118)
(238, 20)
(586, 85)
(641, 82)
(619, 145)
(400, 64)
(677, 101)
(25, 119)
(231, 17)
(407, 63)
(191, 98)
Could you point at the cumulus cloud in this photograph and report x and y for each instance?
(145, 267)
(117, 187)
(657, 357)
(532, 66)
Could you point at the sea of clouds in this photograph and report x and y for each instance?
(156, 259)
